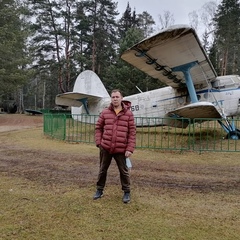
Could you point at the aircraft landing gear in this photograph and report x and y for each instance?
(232, 131)
(235, 135)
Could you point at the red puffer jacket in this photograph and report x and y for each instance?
(116, 133)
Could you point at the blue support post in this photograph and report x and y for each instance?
(186, 71)
(84, 102)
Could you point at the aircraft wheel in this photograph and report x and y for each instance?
(235, 135)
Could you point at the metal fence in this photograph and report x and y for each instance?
(201, 135)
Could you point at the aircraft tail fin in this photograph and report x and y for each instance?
(88, 88)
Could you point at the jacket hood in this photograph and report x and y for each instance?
(126, 104)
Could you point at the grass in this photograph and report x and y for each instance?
(34, 209)
(36, 212)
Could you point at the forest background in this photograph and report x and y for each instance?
(45, 44)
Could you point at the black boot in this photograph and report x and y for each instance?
(126, 197)
(98, 194)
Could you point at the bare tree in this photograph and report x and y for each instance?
(207, 14)
(166, 20)
(201, 20)
(193, 19)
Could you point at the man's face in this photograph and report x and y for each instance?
(116, 99)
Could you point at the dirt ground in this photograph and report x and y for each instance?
(11, 122)
(160, 170)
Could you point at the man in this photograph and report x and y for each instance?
(115, 135)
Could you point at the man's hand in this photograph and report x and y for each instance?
(128, 154)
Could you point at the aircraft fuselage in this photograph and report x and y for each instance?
(159, 102)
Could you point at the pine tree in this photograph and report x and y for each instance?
(53, 40)
(227, 32)
(127, 21)
(13, 57)
(132, 28)
(102, 45)
(145, 23)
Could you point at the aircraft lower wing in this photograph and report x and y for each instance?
(199, 110)
(74, 99)
(196, 110)
(172, 47)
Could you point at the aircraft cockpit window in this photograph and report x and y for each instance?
(223, 83)
(215, 84)
(205, 95)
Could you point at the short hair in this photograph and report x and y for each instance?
(116, 90)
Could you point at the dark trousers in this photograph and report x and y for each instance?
(105, 161)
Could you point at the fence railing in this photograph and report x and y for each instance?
(152, 133)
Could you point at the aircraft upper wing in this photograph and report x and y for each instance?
(75, 99)
(172, 47)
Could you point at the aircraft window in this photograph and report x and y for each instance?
(215, 84)
(180, 100)
(205, 95)
(154, 104)
(237, 80)
(218, 85)
(198, 97)
(226, 82)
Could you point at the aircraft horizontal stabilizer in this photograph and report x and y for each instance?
(196, 110)
(74, 99)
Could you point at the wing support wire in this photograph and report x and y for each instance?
(213, 95)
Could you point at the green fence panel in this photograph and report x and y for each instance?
(152, 133)
(208, 135)
(55, 125)
(81, 128)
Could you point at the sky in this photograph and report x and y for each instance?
(179, 8)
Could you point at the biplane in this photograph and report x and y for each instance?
(176, 57)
